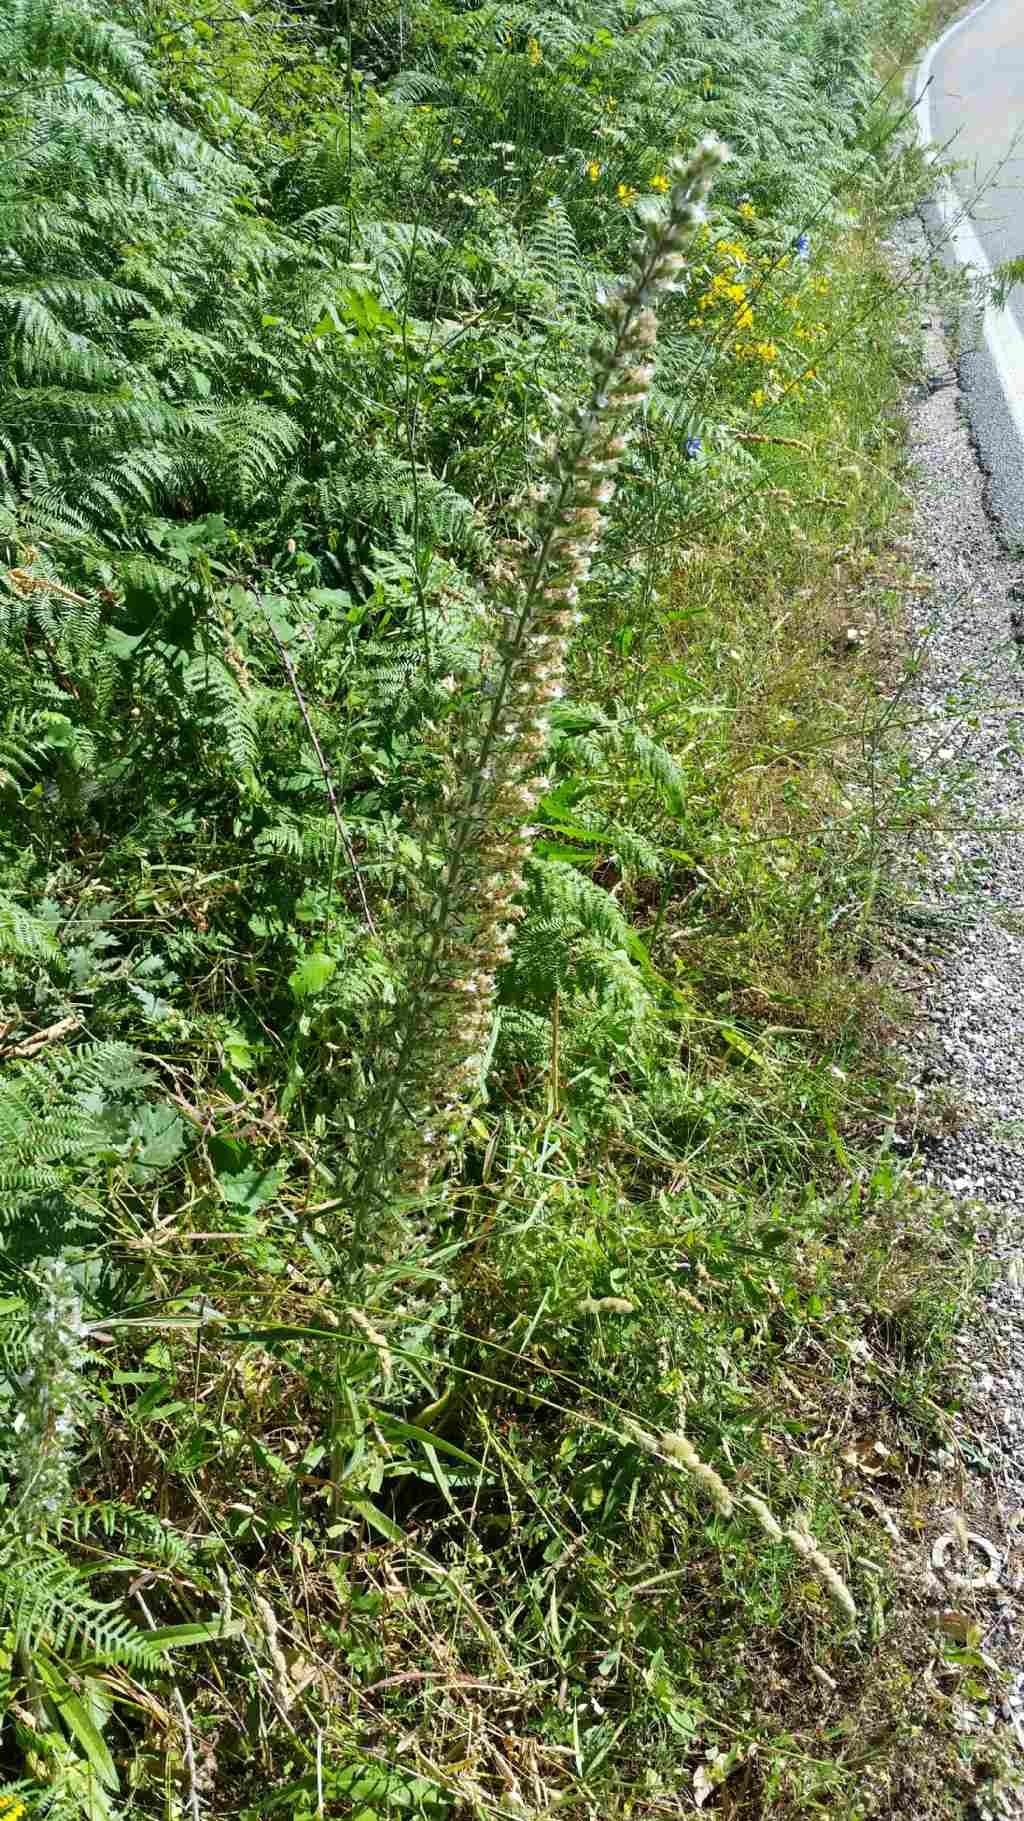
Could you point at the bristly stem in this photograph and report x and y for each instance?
(50, 1398)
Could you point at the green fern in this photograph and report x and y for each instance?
(220, 706)
(587, 736)
(556, 251)
(25, 936)
(47, 1600)
(575, 937)
(60, 1116)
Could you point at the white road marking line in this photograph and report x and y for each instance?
(1003, 337)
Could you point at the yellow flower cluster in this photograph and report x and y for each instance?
(757, 350)
(730, 288)
(626, 194)
(735, 277)
(533, 51)
(725, 290)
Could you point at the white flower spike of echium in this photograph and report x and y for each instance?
(50, 1395)
(439, 1038)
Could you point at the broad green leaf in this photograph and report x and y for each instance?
(736, 1041)
(393, 1426)
(79, 1722)
(312, 974)
(377, 1520)
(209, 1631)
(251, 1189)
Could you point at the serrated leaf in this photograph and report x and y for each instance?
(159, 1133)
(253, 1188)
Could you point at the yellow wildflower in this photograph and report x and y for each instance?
(745, 319)
(626, 194)
(757, 398)
(767, 351)
(14, 1812)
(660, 182)
(731, 249)
(748, 211)
(533, 50)
(593, 170)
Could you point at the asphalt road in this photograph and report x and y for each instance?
(977, 101)
(975, 104)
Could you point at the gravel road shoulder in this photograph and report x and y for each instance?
(965, 1053)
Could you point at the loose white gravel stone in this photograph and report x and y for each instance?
(969, 1038)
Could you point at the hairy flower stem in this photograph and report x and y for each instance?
(50, 1397)
(436, 1040)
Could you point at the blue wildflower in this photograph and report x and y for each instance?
(693, 446)
(803, 246)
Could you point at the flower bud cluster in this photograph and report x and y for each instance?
(50, 1396)
(439, 1040)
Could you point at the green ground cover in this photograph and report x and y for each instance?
(427, 1395)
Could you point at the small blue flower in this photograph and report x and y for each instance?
(692, 448)
(803, 246)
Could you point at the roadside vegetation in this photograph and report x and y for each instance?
(460, 1323)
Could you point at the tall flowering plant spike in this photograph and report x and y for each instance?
(433, 1052)
(50, 1397)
